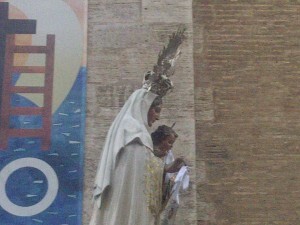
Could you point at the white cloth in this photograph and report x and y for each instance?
(181, 182)
(182, 178)
(169, 158)
(130, 125)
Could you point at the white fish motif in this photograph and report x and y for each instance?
(63, 114)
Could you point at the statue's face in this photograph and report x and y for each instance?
(166, 145)
(153, 114)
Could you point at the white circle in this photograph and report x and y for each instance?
(49, 197)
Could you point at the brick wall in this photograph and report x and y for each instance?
(247, 76)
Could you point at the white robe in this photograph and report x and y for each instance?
(130, 125)
(129, 177)
(134, 196)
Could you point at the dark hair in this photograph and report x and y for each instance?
(161, 133)
(157, 101)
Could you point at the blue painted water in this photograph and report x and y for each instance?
(27, 186)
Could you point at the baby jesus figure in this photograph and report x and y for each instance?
(175, 172)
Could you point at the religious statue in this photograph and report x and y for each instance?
(128, 185)
(176, 176)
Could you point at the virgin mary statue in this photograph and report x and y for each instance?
(129, 176)
(128, 184)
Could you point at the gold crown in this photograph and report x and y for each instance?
(158, 81)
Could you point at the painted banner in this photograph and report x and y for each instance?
(42, 111)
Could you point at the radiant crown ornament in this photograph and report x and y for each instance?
(158, 81)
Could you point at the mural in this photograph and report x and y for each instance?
(42, 111)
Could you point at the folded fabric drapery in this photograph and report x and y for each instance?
(181, 182)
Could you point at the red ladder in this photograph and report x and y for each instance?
(8, 89)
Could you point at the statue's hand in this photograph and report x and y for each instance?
(175, 166)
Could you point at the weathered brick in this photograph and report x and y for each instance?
(249, 150)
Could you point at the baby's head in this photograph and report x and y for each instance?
(163, 139)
